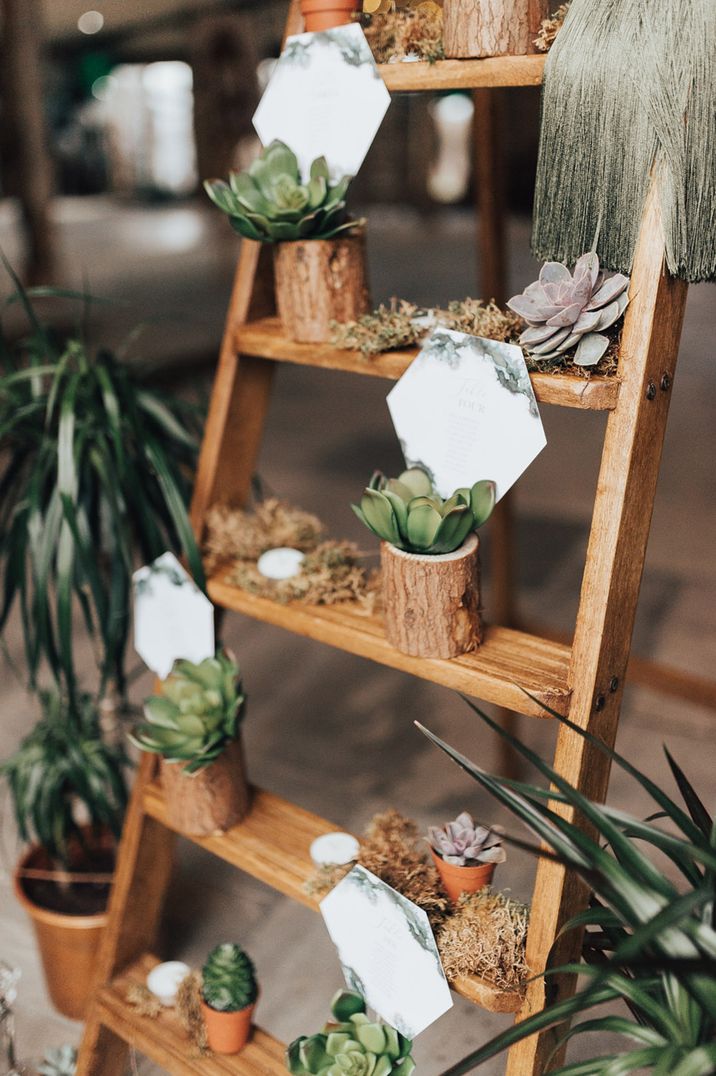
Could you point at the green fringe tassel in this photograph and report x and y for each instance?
(630, 90)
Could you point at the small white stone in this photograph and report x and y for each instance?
(282, 563)
(164, 980)
(334, 849)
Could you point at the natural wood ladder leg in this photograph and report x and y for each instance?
(610, 589)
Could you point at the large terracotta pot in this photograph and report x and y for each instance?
(319, 281)
(211, 800)
(325, 14)
(68, 944)
(458, 880)
(227, 1032)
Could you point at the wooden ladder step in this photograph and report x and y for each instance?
(272, 844)
(265, 339)
(164, 1041)
(507, 665)
(463, 74)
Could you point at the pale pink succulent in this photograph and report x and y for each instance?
(564, 310)
(462, 843)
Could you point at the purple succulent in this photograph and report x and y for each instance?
(462, 843)
(564, 310)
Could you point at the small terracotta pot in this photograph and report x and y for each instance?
(325, 14)
(211, 800)
(227, 1032)
(459, 880)
(68, 944)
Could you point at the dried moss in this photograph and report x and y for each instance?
(330, 574)
(550, 28)
(485, 935)
(234, 534)
(188, 1006)
(143, 1001)
(415, 32)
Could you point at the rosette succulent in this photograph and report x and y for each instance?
(351, 1045)
(564, 310)
(228, 979)
(408, 513)
(464, 844)
(196, 715)
(269, 202)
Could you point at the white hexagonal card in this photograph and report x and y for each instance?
(465, 410)
(325, 99)
(172, 617)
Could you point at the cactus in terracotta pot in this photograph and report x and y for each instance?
(229, 991)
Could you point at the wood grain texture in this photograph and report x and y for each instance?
(482, 28)
(266, 338)
(432, 604)
(211, 800)
(463, 74)
(319, 281)
(610, 589)
(164, 1041)
(508, 663)
(272, 844)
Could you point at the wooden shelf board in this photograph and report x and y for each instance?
(272, 844)
(508, 664)
(164, 1041)
(265, 339)
(464, 74)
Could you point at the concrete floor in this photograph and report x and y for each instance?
(326, 729)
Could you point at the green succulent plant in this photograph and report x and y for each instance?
(408, 513)
(60, 1061)
(229, 979)
(268, 202)
(351, 1045)
(196, 715)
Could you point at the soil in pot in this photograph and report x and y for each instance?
(458, 880)
(68, 918)
(325, 14)
(227, 1032)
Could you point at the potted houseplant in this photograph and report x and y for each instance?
(429, 561)
(194, 725)
(228, 998)
(478, 28)
(68, 792)
(465, 855)
(351, 1045)
(325, 14)
(319, 251)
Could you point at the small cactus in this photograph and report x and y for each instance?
(229, 979)
(464, 844)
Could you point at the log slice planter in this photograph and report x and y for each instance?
(477, 28)
(319, 281)
(432, 603)
(211, 800)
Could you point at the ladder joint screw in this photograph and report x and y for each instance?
(599, 703)
(651, 391)
(613, 684)
(665, 382)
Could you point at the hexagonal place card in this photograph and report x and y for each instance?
(172, 617)
(325, 98)
(387, 951)
(465, 410)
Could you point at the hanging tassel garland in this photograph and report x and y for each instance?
(630, 92)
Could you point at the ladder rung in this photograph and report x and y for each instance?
(464, 74)
(265, 339)
(507, 665)
(272, 844)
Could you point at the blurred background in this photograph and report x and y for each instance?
(110, 117)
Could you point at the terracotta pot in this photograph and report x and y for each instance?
(211, 800)
(459, 880)
(432, 603)
(68, 944)
(319, 281)
(227, 1032)
(325, 14)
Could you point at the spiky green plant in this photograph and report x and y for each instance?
(351, 1045)
(59, 1061)
(408, 513)
(229, 979)
(650, 943)
(269, 202)
(197, 714)
(63, 769)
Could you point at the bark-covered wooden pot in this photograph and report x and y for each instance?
(319, 281)
(432, 603)
(479, 28)
(213, 799)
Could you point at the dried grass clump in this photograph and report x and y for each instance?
(389, 328)
(416, 32)
(188, 1006)
(485, 935)
(234, 534)
(393, 849)
(550, 28)
(481, 319)
(143, 1001)
(330, 574)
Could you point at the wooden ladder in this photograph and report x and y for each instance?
(584, 680)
